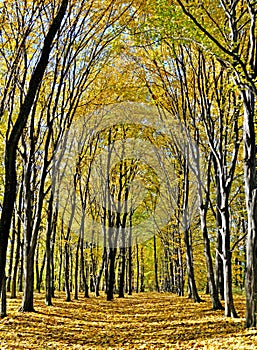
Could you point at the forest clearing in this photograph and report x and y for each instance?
(140, 321)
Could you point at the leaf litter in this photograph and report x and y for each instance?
(140, 321)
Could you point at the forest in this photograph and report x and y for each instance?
(128, 154)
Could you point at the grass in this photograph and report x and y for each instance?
(141, 321)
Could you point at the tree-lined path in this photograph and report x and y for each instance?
(128, 164)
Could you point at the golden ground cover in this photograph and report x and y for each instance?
(141, 321)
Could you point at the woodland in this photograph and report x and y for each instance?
(128, 171)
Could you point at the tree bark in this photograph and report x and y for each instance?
(155, 265)
(251, 203)
(10, 268)
(122, 272)
(3, 299)
(111, 272)
(48, 278)
(18, 245)
(186, 228)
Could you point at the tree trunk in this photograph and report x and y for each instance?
(111, 272)
(122, 272)
(42, 268)
(203, 208)
(216, 304)
(142, 270)
(155, 265)
(52, 252)
(82, 269)
(130, 270)
(10, 268)
(18, 247)
(186, 225)
(48, 292)
(60, 260)
(138, 267)
(67, 271)
(21, 270)
(226, 257)
(251, 204)
(99, 276)
(3, 299)
(28, 299)
(219, 278)
(76, 272)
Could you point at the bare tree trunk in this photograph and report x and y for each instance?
(3, 299)
(185, 224)
(122, 272)
(76, 272)
(251, 203)
(67, 270)
(142, 270)
(10, 268)
(138, 267)
(99, 276)
(111, 272)
(48, 279)
(18, 245)
(21, 270)
(155, 265)
(28, 299)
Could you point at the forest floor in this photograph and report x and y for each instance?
(141, 321)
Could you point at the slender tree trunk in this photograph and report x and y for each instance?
(138, 268)
(219, 264)
(18, 246)
(122, 272)
(10, 268)
(130, 270)
(251, 204)
(21, 271)
(48, 292)
(100, 273)
(3, 312)
(142, 270)
(185, 224)
(60, 260)
(216, 304)
(180, 272)
(28, 299)
(38, 282)
(203, 207)
(111, 272)
(76, 272)
(67, 271)
(52, 252)
(155, 265)
(82, 269)
(226, 257)
(42, 268)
